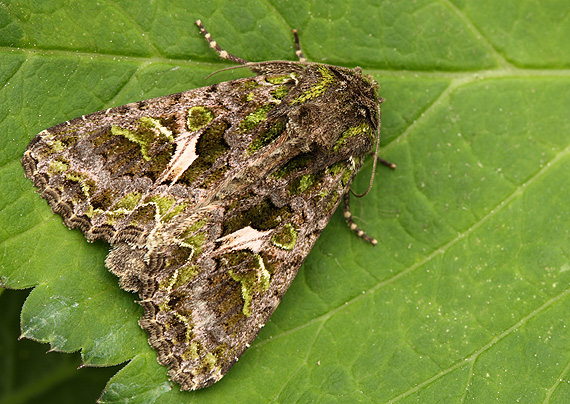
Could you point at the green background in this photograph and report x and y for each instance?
(467, 296)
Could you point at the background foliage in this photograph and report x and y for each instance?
(465, 299)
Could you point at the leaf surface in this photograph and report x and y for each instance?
(466, 298)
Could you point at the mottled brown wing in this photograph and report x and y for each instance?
(115, 174)
(211, 198)
(210, 280)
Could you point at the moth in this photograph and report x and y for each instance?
(212, 198)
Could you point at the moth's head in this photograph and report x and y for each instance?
(338, 106)
(362, 89)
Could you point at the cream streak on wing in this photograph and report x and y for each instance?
(245, 238)
(183, 158)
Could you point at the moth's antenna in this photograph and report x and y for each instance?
(214, 45)
(373, 170)
(376, 159)
(253, 65)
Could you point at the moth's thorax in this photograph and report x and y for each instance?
(324, 93)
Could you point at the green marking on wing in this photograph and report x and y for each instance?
(149, 131)
(129, 201)
(327, 79)
(198, 117)
(286, 237)
(254, 280)
(267, 136)
(255, 118)
(351, 132)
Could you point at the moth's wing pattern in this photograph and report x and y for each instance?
(212, 198)
(213, 279)
(117, 173)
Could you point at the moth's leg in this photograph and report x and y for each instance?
(298, 50)
(386, 163)
(214, 45)
(348, 216)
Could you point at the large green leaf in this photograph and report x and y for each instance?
(465, 298)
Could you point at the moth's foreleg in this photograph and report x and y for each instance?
(298, 50)
(386, 163)
(353, 226)
(214, 45)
